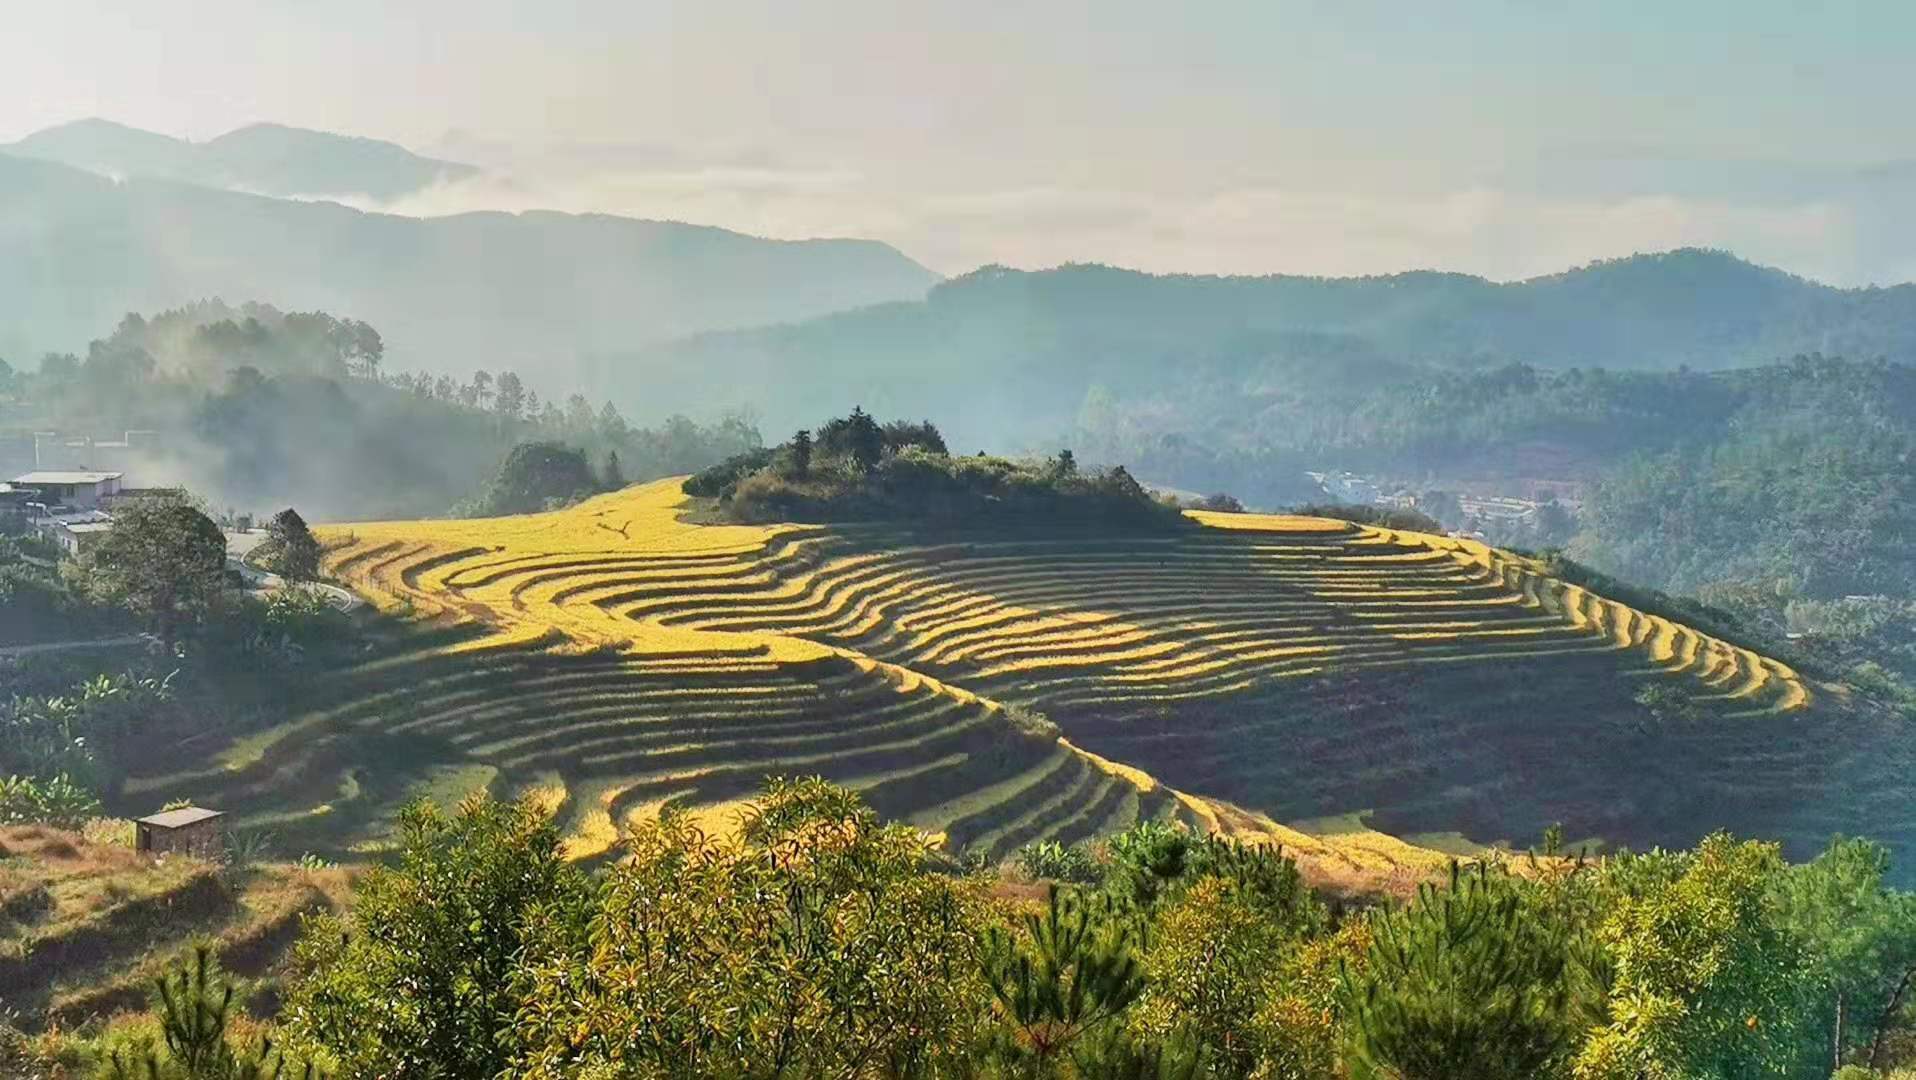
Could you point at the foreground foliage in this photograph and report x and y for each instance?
(817, 941)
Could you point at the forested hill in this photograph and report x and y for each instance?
(1040, 340)
(487, 290)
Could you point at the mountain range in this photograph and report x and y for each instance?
(97, 219)
(530, 291)
(1008, 355)
(266, 159)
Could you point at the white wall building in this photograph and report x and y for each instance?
(81, 490)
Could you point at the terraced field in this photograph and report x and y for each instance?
(1253, 670)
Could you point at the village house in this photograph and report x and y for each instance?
(81, 490)
(66, 508)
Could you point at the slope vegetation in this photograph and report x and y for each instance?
(1005, 688)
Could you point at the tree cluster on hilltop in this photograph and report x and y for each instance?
(854, 469)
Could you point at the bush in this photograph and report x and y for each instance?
(1049, 860)
(1221, 503)
(1383, 517)
(58, 802)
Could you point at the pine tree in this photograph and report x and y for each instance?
(1463, 982)
(1072, 972)
(193, 1005)
(866, 439)
(802, 454)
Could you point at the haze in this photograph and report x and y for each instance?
(1235, 138)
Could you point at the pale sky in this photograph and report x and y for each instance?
(1506, 139)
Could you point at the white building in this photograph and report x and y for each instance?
(71, 529)
(80, 490)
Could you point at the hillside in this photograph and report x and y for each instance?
(490, 290)
(86, 925)
(265, 159)
(1257, 670)
(1009, 356)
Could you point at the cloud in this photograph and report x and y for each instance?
(1501, 229)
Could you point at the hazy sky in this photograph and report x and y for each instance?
(1501, 138)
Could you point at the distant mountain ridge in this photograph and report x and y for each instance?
(531, 291)
(265, 159)
(1010, 355)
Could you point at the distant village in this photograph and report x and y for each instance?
(1492, 510)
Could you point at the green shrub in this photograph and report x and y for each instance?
(58, 802)
(1049, 860)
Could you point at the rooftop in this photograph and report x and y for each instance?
(74, 517)
(185, 815)
(34, 479)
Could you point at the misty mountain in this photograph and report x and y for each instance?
(265, 159)
(1006, 356)
(529, 291)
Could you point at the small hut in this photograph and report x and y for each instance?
(190, 830)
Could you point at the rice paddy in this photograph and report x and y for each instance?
(1254, 670)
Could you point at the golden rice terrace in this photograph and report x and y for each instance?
(1353, 682)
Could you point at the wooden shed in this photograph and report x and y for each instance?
(190, 830)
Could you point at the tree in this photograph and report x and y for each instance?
(812, 943)
(1069, 971)
(194, 1006)
(161, 559)
(612, 426)
(614, 477)
(1065, 464)
(1705, 982)
(1221, 503)
(1210, 950)
(292, 551)
(479, 391)
(1860, 940)
(509, 397)
(802, 454)
(924, 435)
(536, 476)
(1463, 982)
(857, 438)
(418, 979)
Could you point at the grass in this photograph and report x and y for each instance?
(88, 923)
